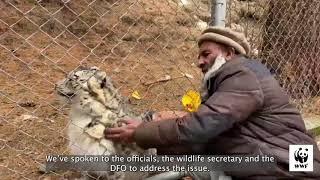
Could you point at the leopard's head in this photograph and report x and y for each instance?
(89, 80)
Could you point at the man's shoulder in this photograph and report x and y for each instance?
(245, 64)
(238, 74)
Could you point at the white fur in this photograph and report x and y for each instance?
(83, 143)
(93, 108)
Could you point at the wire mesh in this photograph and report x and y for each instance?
(284, 36)
(136, 42)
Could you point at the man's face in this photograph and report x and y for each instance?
(208, 52)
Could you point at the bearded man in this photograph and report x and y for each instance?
(244, 111)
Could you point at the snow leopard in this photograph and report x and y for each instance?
(95, 105)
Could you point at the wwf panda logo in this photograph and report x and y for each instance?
(301, 155)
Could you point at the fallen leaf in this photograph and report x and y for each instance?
(25, 117)
(167, 77)
(135, 94)
(188, 76)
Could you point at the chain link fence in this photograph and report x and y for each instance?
(138, 43)
(285, 36)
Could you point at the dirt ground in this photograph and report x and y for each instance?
(133, 41)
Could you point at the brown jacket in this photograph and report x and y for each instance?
(246, 113)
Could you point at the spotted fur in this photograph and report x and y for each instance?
(95, 105)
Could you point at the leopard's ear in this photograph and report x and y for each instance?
(99, 81)
(94, 86)
(102, 78)
(100, 75)
(94, 68)
(81, 67)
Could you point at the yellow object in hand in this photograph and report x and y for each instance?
(191, 100)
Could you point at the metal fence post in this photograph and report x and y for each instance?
(218, 13)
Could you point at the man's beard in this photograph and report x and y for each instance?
(218, 62)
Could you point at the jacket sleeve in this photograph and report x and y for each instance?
(238, 95)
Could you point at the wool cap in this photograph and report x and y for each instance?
(227, 37)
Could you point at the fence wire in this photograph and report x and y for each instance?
(137, 42)
(284, 36)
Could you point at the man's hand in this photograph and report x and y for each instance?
(124, 133)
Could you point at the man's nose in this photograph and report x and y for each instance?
(201, 62)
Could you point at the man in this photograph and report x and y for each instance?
(244, 111)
